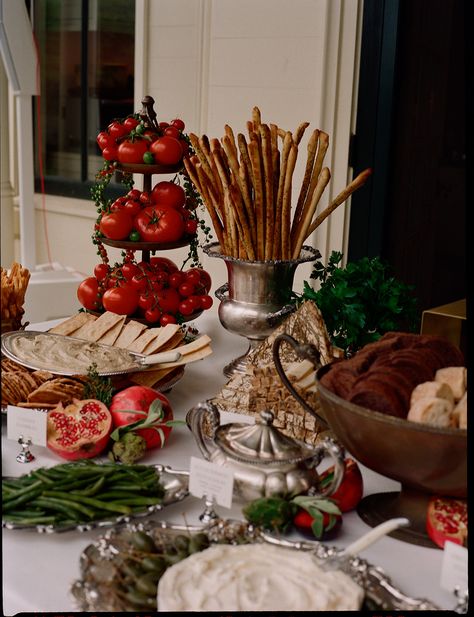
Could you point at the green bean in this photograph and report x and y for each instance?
(139, 501)
(43, 475)
(92, 489)
(25, 490)
(25, 498)
(90, 501)
(40, 520)
(73, 510)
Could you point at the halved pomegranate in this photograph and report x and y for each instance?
(446, 519)
(79, 430)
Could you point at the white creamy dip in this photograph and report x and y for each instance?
(255, 577)
(61, 353)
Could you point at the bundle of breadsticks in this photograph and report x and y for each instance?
(246, 186)
(14, 286)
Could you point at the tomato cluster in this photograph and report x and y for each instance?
(159, 216)
(156, 290)
(131, 141)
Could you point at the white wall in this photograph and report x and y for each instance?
(209, 62)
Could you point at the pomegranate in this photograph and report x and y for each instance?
(446, 519)
(79, 430)
(132, 405)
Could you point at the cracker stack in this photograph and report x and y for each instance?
(14, 286)
(260, 387)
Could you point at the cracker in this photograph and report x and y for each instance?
(90, 318)
(94, 330)
(165, 335)
(111, 336)
(130, 332)
(140, 343)
(71, 324)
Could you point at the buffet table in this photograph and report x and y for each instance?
(38, 569)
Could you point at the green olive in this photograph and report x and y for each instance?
(198, 543)
(148, 583)
(181, 542)
(143, 542)
(154, 563)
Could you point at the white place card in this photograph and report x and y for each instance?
(27, 423)
(454, 567)
(211, 480)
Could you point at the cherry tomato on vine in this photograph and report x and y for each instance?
(178, 123)
(130, 123)
(121, 300)
(116, 225)
(134, 236)
(176, 279)
(101, 271)
(167, 318)
(139, 282)
(145, 198)
(88, 294)
(132, 207)
(168, 300)
(186, 289)
(190, 226)
(134, 194)
(186, 308)
(205, 277)
(169, 194)
(206, 302)
(152, 315)
(172, 131)
(195, 302)
(132, 151)
(192, 276)
(129, 270)
(116, 129)
(145, 301)
(166, 150)
(148, 158)
(164, 263)
(110, 153)
(104, 139)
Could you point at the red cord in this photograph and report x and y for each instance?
(39, 139)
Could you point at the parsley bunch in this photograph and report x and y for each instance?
(362, 301)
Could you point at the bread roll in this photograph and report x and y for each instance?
(432, 389)
(455, 377)
(434, 411)
(459, 413)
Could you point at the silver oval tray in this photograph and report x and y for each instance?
(175, 484)
(96, 589)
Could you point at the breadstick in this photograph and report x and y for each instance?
(287, 143)
(242, 222)
(343, 195)
(250, 127)
(268, 186)
(254, 153)
(198, 177)
(229, 149)
(230, 135)
(308, 214)
(311, 149)
(298, 134)
(256, 118)
(194, 139)
(286, 210)
(245, 159)
(216, 182)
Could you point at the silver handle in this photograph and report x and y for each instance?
(221, 291)
(161, 358)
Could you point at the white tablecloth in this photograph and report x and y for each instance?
(38, 569)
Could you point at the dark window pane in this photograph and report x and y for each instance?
(86, 50)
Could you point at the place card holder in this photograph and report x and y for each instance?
(208, 514)
(25, 455)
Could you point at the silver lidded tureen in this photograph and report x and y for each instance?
(265, 462)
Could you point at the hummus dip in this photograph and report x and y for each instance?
(255, 577)
(63, 353)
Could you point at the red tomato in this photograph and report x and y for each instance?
(195, 301)
(166, 150)
(186, 308)
(130, 123)
(145, 301)
(145, 198)
(163, 263)
(178, 123)
(121, 300)
(116, 225)
(205, 278)
(172, 131)
(134, 194)
(193, 276)
(152, 315)
(206, 302)
(176, 279)
(110, 153)
(190, 227)
(186, 289)
(101, 271)
(159, 224)
(168, 193)
(132, 151)
(168, 300)
(138, 282)
(104, 139)
(116, 129)
(351, 488)
(133, 207)
(163, 125)
(139, 398)
(129, 270)
(88, 294)
(166, 318)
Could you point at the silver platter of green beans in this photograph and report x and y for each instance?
(83, 495)
(120, 571)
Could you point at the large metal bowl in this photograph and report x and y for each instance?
(426, 460)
